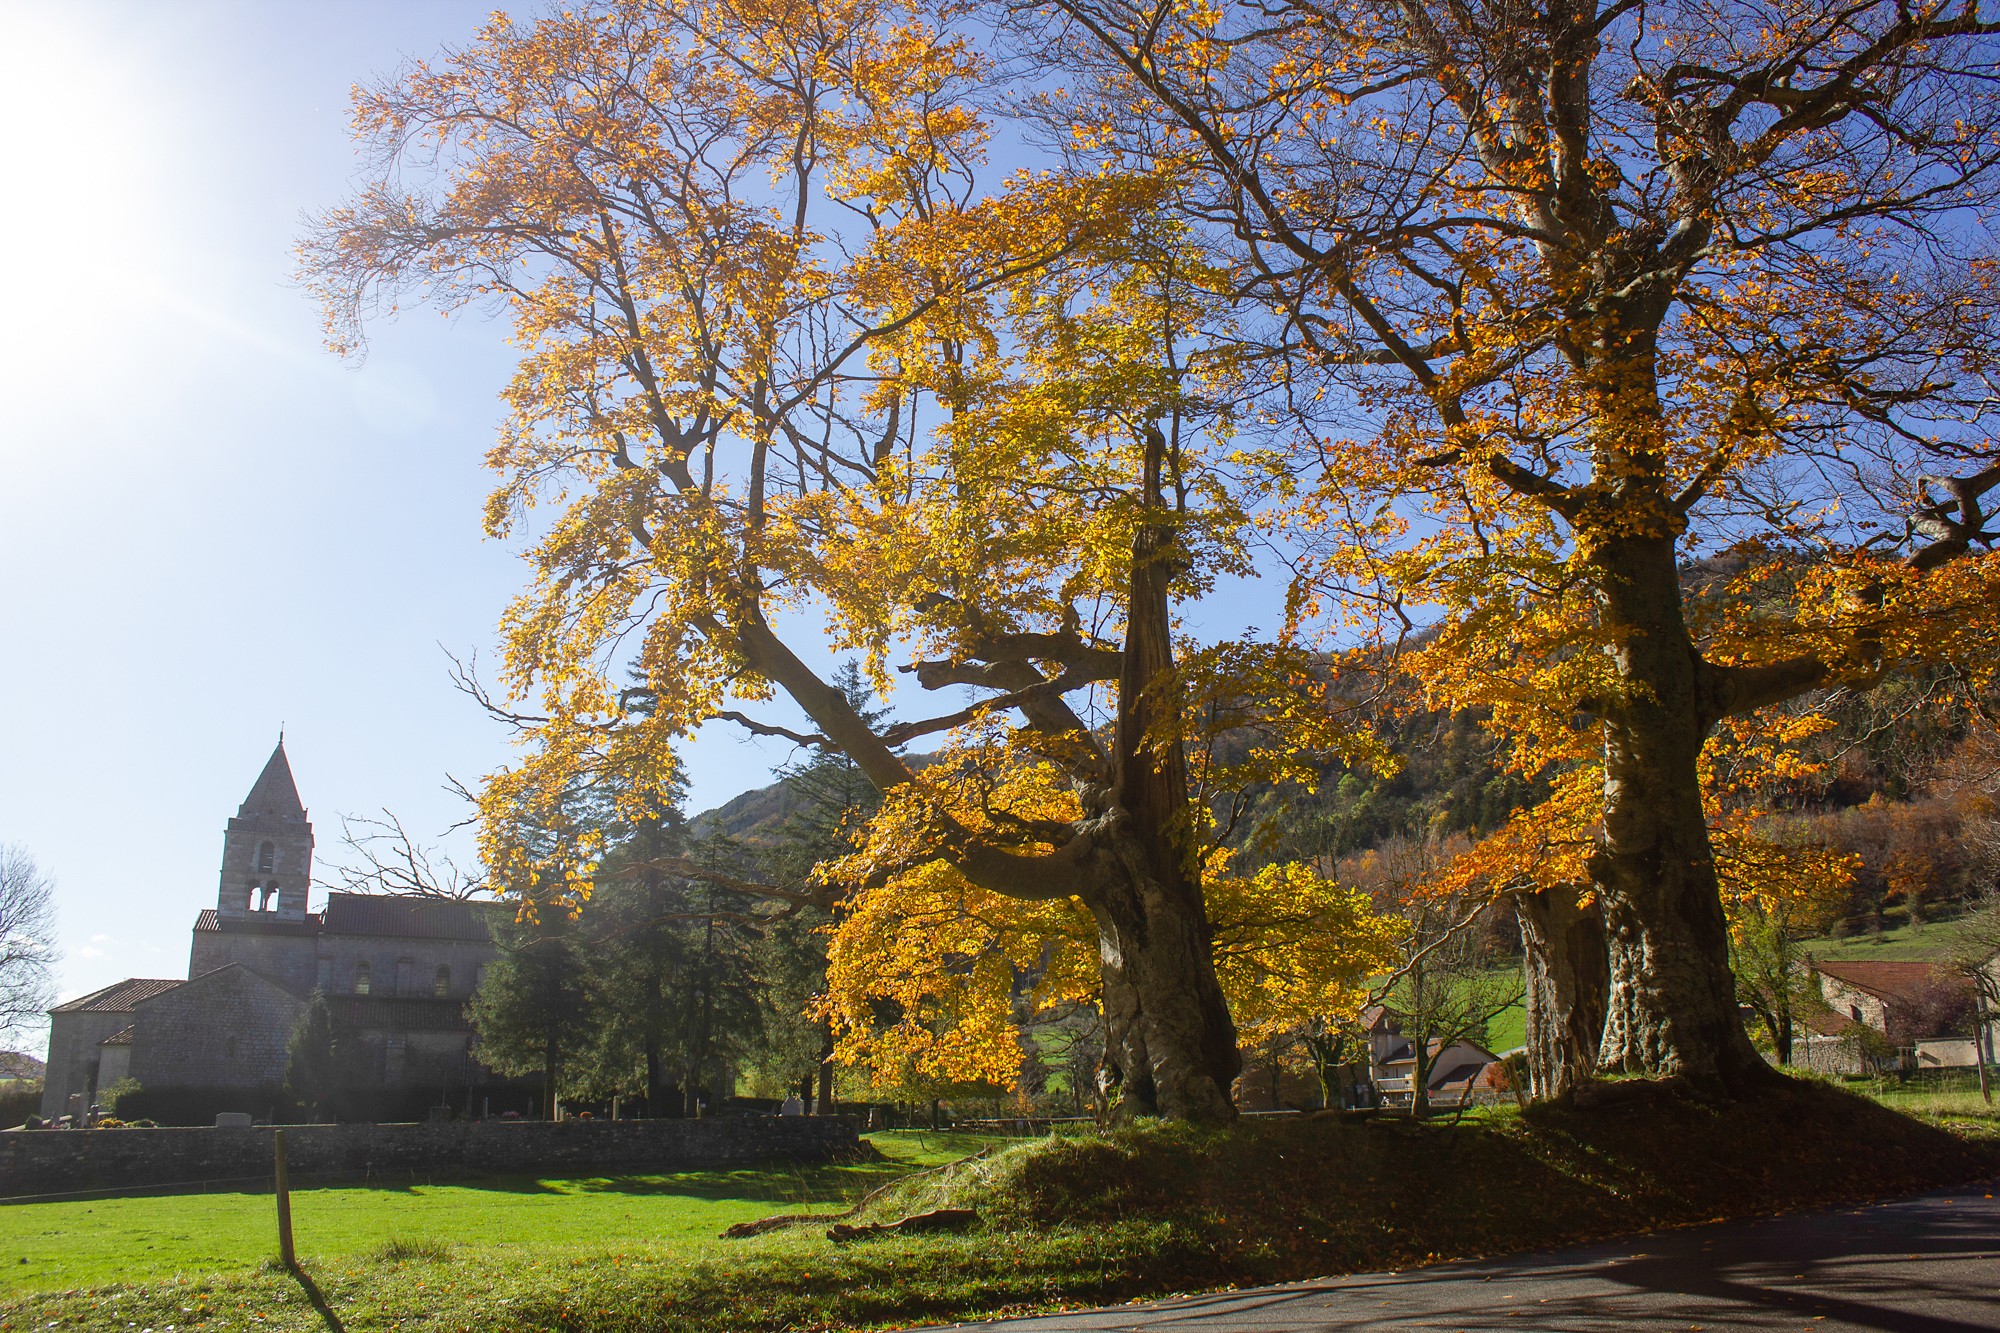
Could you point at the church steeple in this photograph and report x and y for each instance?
(267, 850)
(274, 795)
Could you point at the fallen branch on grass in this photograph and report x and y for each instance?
(944, 1219)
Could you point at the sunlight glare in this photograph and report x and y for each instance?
(86, 190)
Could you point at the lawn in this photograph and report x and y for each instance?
(1896, 944)
(52, 1246)
(1076, 1219)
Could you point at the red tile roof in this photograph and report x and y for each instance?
(119, 997)
(1828, 1023)
(122, 1037)
(1892, 981)
(409, 916)
(256, 923)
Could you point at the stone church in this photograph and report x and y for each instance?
(396, 971)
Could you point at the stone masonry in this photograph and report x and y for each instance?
(60, 1161)
(397, 972)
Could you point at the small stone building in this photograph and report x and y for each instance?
(397, 971)
(1889, 996)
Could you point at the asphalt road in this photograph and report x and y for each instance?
(1926, 1265)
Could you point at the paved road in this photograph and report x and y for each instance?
(1925, 1265)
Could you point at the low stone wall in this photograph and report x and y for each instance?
(61, 1161)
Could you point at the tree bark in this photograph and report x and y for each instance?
(1170, 1044)
(823, 1103)
(1568, 974)
(1671, 1005)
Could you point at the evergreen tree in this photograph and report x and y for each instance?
(828, 796)
(534, 1009)
(313, 1065)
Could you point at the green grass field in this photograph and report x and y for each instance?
(1078, 1219)
(1896, 944)
(55, 1246)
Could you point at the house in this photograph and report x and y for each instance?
(1459, 1070)
(1905, 1001)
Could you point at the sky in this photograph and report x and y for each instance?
(210, 527)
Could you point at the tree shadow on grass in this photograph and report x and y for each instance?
(773, 1184)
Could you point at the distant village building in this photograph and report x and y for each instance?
(397, 971)
(1880, 1016)
(1460, 1070)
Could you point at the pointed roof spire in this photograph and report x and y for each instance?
(274, 795)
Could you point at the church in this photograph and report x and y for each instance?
(396, 970)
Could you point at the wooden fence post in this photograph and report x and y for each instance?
(285, 1254)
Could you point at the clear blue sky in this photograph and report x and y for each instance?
(208, 525)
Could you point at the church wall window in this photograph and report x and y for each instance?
(267, 857)
(441, 987)
(364, 979)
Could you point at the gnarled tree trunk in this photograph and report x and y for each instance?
(1568, 974)
(1170, 1045)
(1671, 1008)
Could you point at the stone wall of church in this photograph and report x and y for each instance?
(401, 965)
(37, 1162)
(228, 1029)
(288, 959)
(73, 1054)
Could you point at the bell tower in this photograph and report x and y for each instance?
(267, 850)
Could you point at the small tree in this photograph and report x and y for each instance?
(312, 1065)
(1975, 955)
(27, 940)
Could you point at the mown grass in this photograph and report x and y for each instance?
(1084, 1219)
(90, 1242)
(1898, 943)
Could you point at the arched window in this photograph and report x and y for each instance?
(442, 986)
(253, 896)
(267, 857)
(363, 979)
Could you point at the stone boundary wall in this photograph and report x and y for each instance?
(34, 1162)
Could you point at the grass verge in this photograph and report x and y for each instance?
(1139, 1212)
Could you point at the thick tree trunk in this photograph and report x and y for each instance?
(1568, 973)
(1170, 1045)
(1671, 1007)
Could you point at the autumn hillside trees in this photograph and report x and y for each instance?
(1559, 298)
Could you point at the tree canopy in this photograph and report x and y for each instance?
(1620, 372)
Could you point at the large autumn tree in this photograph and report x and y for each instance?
(1563, 298)
(792, 373)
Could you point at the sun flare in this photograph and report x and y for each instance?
(83, 205)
